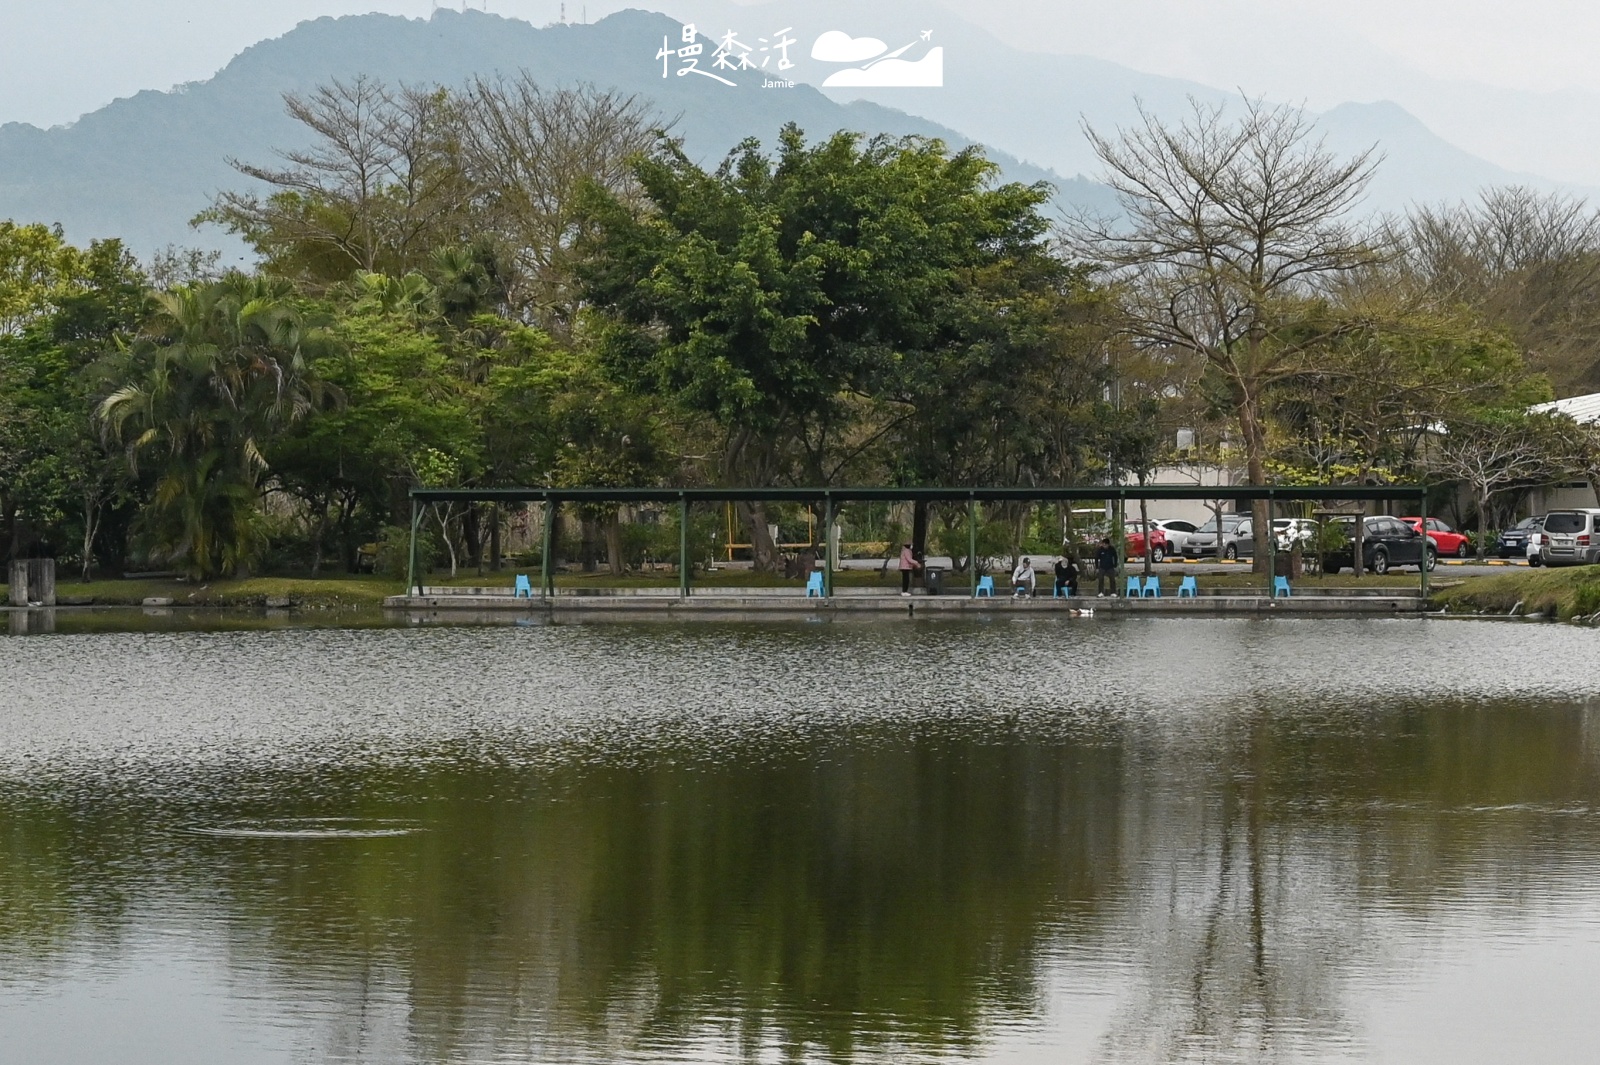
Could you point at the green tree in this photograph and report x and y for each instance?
(56, 478)
(781, 298)
(217, 371)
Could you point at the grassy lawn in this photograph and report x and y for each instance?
(1567, 592)
(340, 591)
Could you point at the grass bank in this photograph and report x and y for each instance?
(1563, 593)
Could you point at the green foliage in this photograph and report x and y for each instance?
(786, 298)
(216, 373)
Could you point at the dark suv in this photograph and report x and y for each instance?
(1514, 541)
(1387, 542)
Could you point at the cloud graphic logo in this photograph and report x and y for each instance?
(892, 73)
(837, 47)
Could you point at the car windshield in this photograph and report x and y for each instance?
(1227, 523)
(1564, 523)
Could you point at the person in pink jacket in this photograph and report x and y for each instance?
(908, 566)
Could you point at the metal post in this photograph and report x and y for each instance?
(1272, 549)
(544, 554)
(683, 546)
(1422, 519)
(411, 559)
(827, 548)
(972, 543)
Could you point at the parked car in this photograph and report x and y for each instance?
(1178, 532)
(1446, 539)
(1387, 542)
(1571, 537)
(1135, 541)
(1233, 539)
(1513, 542)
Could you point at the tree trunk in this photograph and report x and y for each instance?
(1144, 523)
(470, 534)
(91, 523)
(614, 545)
(1483, 522)
(494, 538)
(1255, 452)
(754, 516)
(589, 545)
(919, 529)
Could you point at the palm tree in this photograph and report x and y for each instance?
(217, 370)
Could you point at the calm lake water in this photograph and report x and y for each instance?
(1134, 840)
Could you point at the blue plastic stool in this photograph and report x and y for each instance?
(814, 584)
(523, 588)
(1132, 590)
(1188, 589)
(1057, 591)
(1280, 587)
(986, 586)
(1152, 587)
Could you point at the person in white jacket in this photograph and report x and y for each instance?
(1022, 577)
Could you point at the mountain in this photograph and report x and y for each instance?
(141, 167)
(1034, 104)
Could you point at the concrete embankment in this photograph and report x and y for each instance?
(750, 602)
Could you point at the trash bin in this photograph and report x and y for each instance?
(933, 580)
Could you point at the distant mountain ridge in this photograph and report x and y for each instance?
(141, 167)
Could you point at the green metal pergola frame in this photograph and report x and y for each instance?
(830, 498)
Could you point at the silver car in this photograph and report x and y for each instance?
(1571, 537)
(1236, 538)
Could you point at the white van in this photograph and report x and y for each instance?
(1571, 537)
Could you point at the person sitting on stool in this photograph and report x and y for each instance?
(1067, 575)
(1022, 577)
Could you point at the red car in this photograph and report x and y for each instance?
(1446, 539)
(1158, 542)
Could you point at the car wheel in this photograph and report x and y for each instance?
(1231, 552)
(1462, 552)
(1380, 561)
(1535, 561)
(1157, 554)
(1431, 559)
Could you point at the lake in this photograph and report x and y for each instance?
(1064, 840)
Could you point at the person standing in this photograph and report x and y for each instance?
(908, 566)
(1105, 569)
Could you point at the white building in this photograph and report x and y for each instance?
(1585, 410)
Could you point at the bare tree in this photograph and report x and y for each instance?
(1500, 450)
(378, 190)
(527, 152)
(1526, 262)
(1235, 230)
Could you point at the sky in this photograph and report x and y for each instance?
(61, 58)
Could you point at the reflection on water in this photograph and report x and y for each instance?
(1124, 841)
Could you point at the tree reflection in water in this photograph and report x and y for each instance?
(898, 890)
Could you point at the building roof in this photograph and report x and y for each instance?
(1579, 408)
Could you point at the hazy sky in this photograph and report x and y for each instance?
(59, 58)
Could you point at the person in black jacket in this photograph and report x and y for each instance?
(1105, 569)
(1067, 575)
